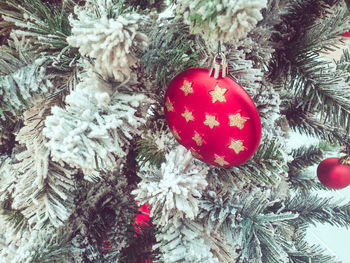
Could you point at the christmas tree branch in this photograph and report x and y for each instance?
(306, 122)
(302, 252)
(171, 51)
(322, 90)
(47, 26)
(344, 61)
(312, 209)
(303, 158)
(266, 167)
(324, 34)
(262, 231)
(21, 90)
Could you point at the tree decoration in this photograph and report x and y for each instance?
(221, 19)
(213, 117)
(113, 43)
(141, 220)
(334, 172)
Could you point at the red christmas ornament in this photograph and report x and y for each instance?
(213, 117)
(333, 173)
(347, 35)
(141, 220)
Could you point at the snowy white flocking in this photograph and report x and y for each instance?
(111, 42)
(88, 133)
(43, 188)
(175, 195)
(221, 19)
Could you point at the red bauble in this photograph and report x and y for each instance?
(141, 220)
(333, 174)
(214, 118)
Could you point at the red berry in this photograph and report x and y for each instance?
(333, 174)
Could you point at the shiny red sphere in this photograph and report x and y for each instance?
(333, 174)
(214, 118)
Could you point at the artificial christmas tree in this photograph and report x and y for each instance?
(84, 139)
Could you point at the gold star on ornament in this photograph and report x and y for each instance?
(237, 120)
(218, 94)
(220, 160)
(211, 121)
(197, 138)
(176, 135)
(187, 115)
(237, 146)
(169, 105)
(187, 87)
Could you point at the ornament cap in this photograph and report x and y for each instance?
(218, 66)
(344, 160)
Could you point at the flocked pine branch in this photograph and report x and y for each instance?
(184, 241)
(305, 253)
(344, 62)
(303, 158)
(105, 213)
(328, 29)
(263, 235)
(46, 26)
(322, 90)
(172, 50)
(94, 128)
(148, 5)
(44, 190)
(221, 20)
(267, 166)
(36, 246)
(12, 57)
(153, 147)
(315, 209)
(22, 89)
(307, 123)
(173, 190)
(113, 43)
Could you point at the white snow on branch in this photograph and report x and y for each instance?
(93, 128)
(113, 43)
(221, 19)
(43, 191)
(183, 241)
(174, 190)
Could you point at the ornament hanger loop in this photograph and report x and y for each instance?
(219, 64)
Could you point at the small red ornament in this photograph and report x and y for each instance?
(333, 173)
(141, 220)
(215, 118)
